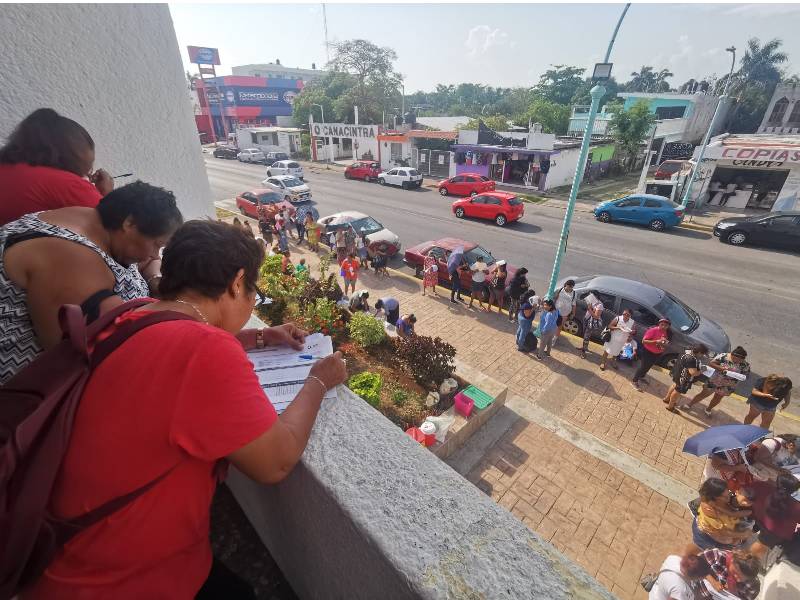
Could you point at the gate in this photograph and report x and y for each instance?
(431, 162)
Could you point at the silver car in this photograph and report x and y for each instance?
(647, 304)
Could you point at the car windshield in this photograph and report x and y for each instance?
(366, 225)
(269, 198)
(292, 182)
(479, 252)
(514, 201)
(681, 316)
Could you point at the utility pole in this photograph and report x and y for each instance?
(695, 170)
(602, 71)
(328, 149)
(325, 25)
(647, 158)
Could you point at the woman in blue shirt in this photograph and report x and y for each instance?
(527, 310)
(548, 328)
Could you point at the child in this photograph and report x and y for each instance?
(301, 270)
(379, 262)
(629, 350)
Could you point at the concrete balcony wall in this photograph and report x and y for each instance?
(368, 513)
(577, 125)
(117, 70)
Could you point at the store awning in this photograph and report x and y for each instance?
(498, 149)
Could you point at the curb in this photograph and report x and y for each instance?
(697, 227)
(734, 396)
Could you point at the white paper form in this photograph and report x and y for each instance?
(282, 371)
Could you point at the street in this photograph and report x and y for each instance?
(749, 291)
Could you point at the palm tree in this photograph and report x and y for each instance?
(648, 80)
(761, 63)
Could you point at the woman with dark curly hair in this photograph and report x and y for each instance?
(173, 401)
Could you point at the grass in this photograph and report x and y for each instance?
(223, 213)
(531, 198)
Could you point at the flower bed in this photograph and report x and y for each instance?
(395, 375)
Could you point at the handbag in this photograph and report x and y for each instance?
(605, 336)
(649, 580)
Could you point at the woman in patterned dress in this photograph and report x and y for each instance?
(430, 274)
(77, 255)
(720, 383)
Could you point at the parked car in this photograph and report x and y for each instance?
(290, 187)
(647, 304)
(368, 171)
(285, 167)
(377, 235)
(780, 229)
(414, 257)
(251, 155)
(657, 212)
(276, 156)
(229, 152)
(500, 207)
(466, 184)
(403, 176)
(248, 202)
(668, 168)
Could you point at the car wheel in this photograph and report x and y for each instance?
(347, 175)
(737, 238)
(473, 193)
(242, 210)
(404, 185)
(573, 326)
(367, 179)
(657, 225)
(460, 212)
(417, 271)
(604, 217)
(382, 181)
(443, 191)
(500, 220)
(668, 362)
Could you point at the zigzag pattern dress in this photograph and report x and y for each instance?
(18, 343)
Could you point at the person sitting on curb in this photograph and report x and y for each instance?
(732, 571)
(358, 302)
(405, 325)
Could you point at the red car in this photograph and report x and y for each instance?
(500, 207)
(668, 168)
(414, 257)
(466, 184)
(366, 170)
(248, 202)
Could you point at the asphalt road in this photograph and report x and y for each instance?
(752, 292)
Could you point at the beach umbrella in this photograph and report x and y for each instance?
(723, 437)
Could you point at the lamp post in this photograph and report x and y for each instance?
(328, 150)
(602, 72)
(717, 111)
(403, 102)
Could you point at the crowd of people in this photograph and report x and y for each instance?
(171, 404)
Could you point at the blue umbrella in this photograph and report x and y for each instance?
(455, 258)
(723, 437)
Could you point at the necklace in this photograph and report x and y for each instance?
(194, 307)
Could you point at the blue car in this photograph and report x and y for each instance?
(657, 212)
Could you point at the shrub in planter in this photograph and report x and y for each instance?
(428, 360)
(367, 385)
(321, 315)
(276, 284)
(366, 330)
(327, 288)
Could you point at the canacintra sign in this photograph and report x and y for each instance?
(343, 130)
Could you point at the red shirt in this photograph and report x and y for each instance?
(177, 393)
(25, 189)
(350, 268)
(650, 336)
(782, 527)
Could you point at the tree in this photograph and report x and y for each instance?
(649, 81)
(375, 83)
(553, 117)
(630, 128)
(496, 122)
(583, 95)
(560, 83)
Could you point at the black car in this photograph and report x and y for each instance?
(780, 229)
(229, 152)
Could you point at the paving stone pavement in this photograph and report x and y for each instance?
(614, 525)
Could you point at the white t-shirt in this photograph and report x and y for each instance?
(780, 455)
(478, 268)
(671, 585)
(566, 300)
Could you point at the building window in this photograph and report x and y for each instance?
(778, 111)
(794, 117)
(397, 151)
(670, 112)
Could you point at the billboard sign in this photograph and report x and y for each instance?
(253, 96)
(200, 55)
(343, 130)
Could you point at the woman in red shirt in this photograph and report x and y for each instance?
(176, 398)
(776, 511)
(655, 341)
(47, 164)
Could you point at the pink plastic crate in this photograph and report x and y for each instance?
(463, 404)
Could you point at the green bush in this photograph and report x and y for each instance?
(428, 360)
(366, 330)
(399, 396)
(367, 385)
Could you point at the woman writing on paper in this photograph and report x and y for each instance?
(184, 397)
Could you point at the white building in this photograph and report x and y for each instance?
(278, 71)
(115, 69)
(344, 141)
(269, 139)
(783, 113)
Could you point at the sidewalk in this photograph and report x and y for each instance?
(578, 454)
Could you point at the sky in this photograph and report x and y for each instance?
(502, 45)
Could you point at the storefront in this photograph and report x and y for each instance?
(760, 171)
(342, 141)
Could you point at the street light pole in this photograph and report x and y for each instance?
(596, 93)
(707, 137)
(403, 102)
(328, 150)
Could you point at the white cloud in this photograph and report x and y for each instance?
(763, 10)
(483, 38)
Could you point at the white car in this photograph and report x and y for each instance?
(288, 186)
(404, 177)
(377, 235)
(285, 167)
(251, 155)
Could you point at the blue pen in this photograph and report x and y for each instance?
(310, 357)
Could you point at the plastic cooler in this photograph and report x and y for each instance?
(470, 397)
